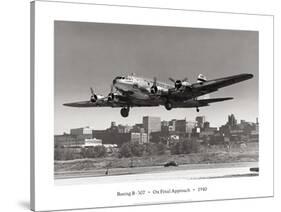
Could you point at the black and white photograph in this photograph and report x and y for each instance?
(147, 102)
(147, 105)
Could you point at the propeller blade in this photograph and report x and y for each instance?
(171, 79)
(154, 81)
(111, 88)
(92, 91)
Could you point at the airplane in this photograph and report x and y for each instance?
(132, 91)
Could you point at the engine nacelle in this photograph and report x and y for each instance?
(110, 97)
(153, 89)
(95, 97)
(178, 84)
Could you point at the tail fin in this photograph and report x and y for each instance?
(201, 78)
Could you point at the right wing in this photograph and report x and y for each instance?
(118, 101)
(199, 103)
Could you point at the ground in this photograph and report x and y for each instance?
(145, 164)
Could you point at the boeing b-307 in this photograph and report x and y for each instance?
(131, 91)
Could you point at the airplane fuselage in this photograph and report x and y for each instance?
(138, 88)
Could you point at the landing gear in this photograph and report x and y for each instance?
(168, 105)
(197, 109)
(125, 112)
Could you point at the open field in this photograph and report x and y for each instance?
(159, 160)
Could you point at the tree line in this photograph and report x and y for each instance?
(129, 149)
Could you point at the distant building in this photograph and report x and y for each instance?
(151, 124)
(208, 131)
(172, 125)
(164, 123)
(180, 126)
(81, 131)
(232, 122)
(66, 140)
(77, 137)
(111, 137)
(165, 127)
(140, 138)
(185, 127)
(92, 142)
(124, 129)
(190, 125)
(138, 128)
(206, 125)
(76, 140)
(200, 121)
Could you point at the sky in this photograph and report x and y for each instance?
(93, 54)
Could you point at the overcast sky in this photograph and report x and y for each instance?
(92, 54)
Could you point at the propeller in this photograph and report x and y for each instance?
(154, 81)
(154, 88)
(178, 83)
(171, 79)
(92, 91)
(93, 95)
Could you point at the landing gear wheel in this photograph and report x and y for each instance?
(125, 112)
(197, 109)
(168, 106)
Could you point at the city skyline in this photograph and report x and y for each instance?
(141, 122)
(92, 54)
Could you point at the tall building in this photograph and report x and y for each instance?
(231, 121)
(190, 125)
(257, 124)
(151, 124)
(200, 121)
(172, 125)
(181, 126)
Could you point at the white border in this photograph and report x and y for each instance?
(48, 196)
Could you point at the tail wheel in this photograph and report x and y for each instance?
(168, 106)
(197, 109)
(125, 112)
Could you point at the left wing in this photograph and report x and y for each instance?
(204, 87)
(214, 85)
